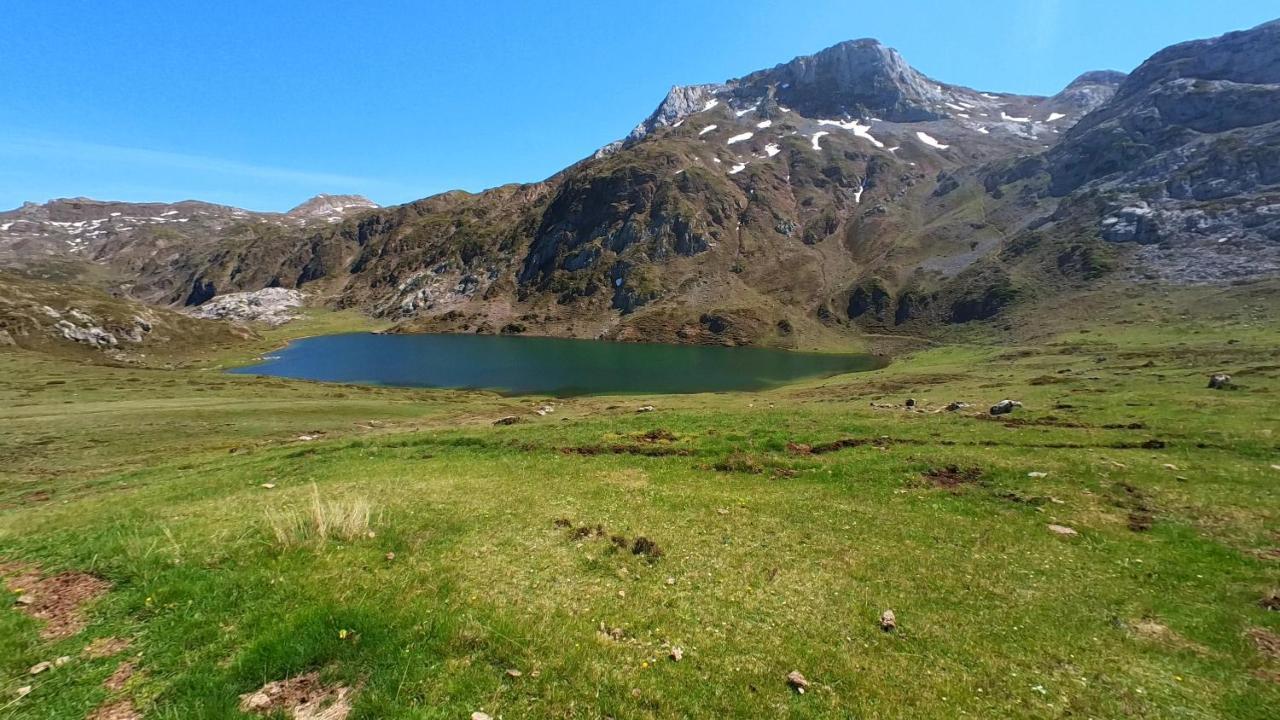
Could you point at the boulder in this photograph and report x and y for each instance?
(888, 621)
(1004, 407)
(1219, 381)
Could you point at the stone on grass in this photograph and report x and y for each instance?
(1062, 530)
(644, 409)
(1004, 407)
(1219, 381)
(888, 621)
(477, 715)
(797, 681)
(39, 667)
(1037, 474)
(957, 405)
(507, 420)
(677, 653)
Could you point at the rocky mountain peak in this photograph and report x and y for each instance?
(331, 207)
(857, 77)
(681, 101)
(1086, 93)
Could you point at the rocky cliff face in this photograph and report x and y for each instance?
(837, 190)
(1185, 160)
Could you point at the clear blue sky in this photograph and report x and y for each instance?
(262, 104)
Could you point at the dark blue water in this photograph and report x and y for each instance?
(549, 366)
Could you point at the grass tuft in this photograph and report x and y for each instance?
(343, 520)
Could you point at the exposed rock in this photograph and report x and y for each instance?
(797, 681)
(1004, 407)
(507, 420)
(272, 306)
(331, 208)
(888, 621)
(1219, 381)
(1062, 530)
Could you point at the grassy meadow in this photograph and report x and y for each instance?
(399, 544)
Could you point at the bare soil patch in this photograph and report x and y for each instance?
(105, 647)
(116, 710)
(301, 698)
(57, 600)
(120, 676)
(1267, 642)
(953, 476)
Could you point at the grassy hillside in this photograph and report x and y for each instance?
(438, 565)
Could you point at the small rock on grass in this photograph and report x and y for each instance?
(1005, 407)
(513, 673)
(888, 621)
(1219, 381)
(1037, 474)
(477, 715)
(1062, 530)
(677, 653)
(797, 681)
(39, 667)
(23, 691)
(644, 409)
(268, 486)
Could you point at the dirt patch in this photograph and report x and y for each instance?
(952, 476)
(120, 676)
(115, 710)
(648, 548)
(620, 449)
(37, 496)
(57, 600)
(1155, 631)
(301, 698)
(105, 647)
(1267, 642)
(1141, 516)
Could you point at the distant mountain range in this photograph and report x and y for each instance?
(836, 192)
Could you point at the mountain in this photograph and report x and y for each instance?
(331, 208)
(837, 192)
(120, 233)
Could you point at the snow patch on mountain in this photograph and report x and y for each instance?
(929, 140)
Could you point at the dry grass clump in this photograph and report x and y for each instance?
(344, 520)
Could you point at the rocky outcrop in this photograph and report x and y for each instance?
(270, 306)
(681, 102)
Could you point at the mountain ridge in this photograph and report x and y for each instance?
(833, 193)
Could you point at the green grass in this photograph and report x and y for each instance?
(152, 479)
